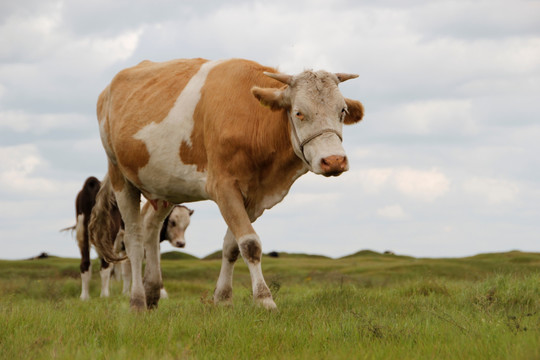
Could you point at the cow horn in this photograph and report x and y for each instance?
(344, 77)
(284, 78)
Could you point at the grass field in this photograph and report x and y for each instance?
(365, 306)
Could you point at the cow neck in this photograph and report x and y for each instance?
(309, 138)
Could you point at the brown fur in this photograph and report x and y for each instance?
(84, 203)
(251, 251)
(233, 255)
(99, 227)
(355, 111)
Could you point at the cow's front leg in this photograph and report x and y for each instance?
(128, 200)
(231, 205)
(152, 223)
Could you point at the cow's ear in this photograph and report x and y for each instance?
(275, 99)
(355, 111)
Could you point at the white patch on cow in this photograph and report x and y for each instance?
(85, 279)
(165, 173)
(105, 280)
(79, 230)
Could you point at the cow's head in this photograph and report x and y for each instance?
(316, 111)
(175, 226)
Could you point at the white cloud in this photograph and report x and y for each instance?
(492, 190)
(20, 121)
(297, 203)
(477, 19)
(421, 185)
(21, 169)
(392, 212)
(433, 116)
(27, 36)
(17, 171)
(113, 49)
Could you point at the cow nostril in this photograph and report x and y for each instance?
(334, 165)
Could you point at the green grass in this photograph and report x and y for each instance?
(366, 306)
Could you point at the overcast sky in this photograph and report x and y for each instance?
(445, 163)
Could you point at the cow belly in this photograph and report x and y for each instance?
(180, 184)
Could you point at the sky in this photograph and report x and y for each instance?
(444, 164)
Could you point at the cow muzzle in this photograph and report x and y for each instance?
(334, 165)
(178, 243)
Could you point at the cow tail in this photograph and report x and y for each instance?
(99, 227)
(69, 228)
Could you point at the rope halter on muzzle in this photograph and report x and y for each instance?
(311, 137)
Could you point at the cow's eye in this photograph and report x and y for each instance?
(299, 115)
(172, 223)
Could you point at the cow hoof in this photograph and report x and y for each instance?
(152, 303)
(268, 303)
(223, 297)
(138, 304)
(152, 295)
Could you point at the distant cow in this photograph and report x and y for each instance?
(231, 131)
(84, 203)
(172, 230)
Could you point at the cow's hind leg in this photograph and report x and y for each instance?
(84, 247)
(152, 223)
(223, 292)
(128, 200)
(125, 266)
(126, 277)
(105, 274)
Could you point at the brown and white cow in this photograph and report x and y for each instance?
(172, 230)
(231, 131)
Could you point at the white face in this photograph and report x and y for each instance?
(177, 224)
(317, 113)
